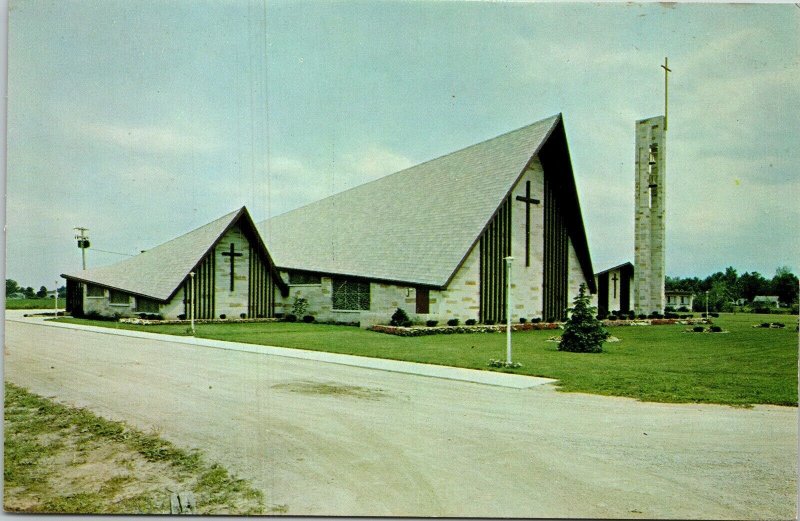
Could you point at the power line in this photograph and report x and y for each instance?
(114, 252)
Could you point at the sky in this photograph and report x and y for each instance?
(144, 120)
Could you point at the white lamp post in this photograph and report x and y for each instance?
(508, 309)
(191, 299)
(706, 303)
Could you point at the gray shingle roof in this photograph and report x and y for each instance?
(414, 226)
(158, 272)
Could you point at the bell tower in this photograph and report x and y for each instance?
(649, 254)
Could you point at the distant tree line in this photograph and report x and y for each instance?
(727, 288)
(13, 287)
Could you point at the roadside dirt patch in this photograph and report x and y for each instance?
(331, 389)
(68, 461)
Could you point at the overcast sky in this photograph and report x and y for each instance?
(144, 120)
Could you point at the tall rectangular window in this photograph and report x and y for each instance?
(423, 300)
(350, 295)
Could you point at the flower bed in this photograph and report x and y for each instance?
(449, 330)
(657, 322)
(148, 322)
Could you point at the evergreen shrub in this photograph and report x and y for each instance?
(432, 323)
(399, 318)
(290, 318)
(471, 322)
(308, 319)
(583, 333)
(452, 322)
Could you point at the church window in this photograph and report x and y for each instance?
(349, 294)
(423, 300)
(146, 305)
(118, 298)
(95, 291)
(297, 278)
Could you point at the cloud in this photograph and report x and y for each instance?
(147, 138)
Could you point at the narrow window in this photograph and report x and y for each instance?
(95, 291)
(423, 300)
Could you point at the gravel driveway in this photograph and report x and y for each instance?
(327, 439)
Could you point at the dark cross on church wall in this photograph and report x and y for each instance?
(528, 202)
(232, 254)
(615, 279)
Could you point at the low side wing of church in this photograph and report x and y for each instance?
(430, 239)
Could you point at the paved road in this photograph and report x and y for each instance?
(327, 439)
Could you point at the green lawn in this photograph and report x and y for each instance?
(656, 363)
(33, 303)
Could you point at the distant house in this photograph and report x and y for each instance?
(679, 299)
(763, 301)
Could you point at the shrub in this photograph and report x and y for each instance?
(551, 320)
(308, 319)
(716, 329)
(489, 322)
(764, 324)
(290, 318)
(703, 315)
(536, 320)
(613, 317)
(669, 309)
(523, 320)
(715, 315)
(242, 315)
(452, 322)
(683, 309)
(698, 329)
(399, 318)
(778, 324)
(671, 315)
(432, 323)
(223, 316)
(642, 316)
(299, 307)
(181, 317)
(406, 323)
(471, 322)
(583, 333)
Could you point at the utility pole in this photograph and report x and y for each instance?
(83, 242)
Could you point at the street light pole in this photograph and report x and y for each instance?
(191, 299)
(706, 303)
(508, 309)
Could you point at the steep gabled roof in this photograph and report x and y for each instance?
(159, 272)
(624, 265)
(417, 226)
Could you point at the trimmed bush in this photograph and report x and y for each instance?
(223, 316)
(432, 323)
(642, 316)
(452, 322)
(290, 318)
(181, 317)
(242, 315)
(406, 323)
(683, 309)
(714, 315)
(583, 333)
(523, 320)
(399, 318)
(716, 329)
(308, 319)
(489, 322)
(698, 329)
(471, 322)
(536, 320)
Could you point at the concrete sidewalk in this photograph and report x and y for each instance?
(494, 378)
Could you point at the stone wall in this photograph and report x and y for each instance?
(227, 302)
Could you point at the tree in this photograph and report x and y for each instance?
(11, 287)
(583, 333)
(29, 293)
(784, 285)
(42, 293)
(752, 284)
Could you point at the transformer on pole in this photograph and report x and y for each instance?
(83, 242)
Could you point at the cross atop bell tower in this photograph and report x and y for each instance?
(650, 217)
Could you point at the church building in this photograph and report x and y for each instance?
(220, 269)
(431, 239)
